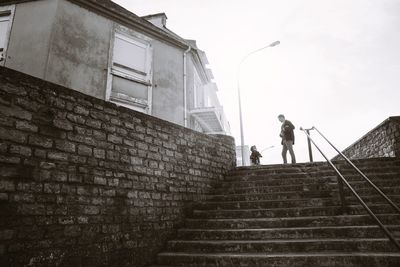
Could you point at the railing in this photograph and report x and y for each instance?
(342, 179)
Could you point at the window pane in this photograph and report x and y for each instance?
(3, 30)
(130, 54)
(129, 88)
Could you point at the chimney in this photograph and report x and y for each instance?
(159, 19)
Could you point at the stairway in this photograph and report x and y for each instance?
(289, 215)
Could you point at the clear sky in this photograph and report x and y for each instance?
(337, 67)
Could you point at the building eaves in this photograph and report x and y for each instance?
(154, 15)
(13, 2)
(121, 15)
(201, 55)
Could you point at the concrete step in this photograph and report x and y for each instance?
(321, 166)
(258, 189)
(272, 196)
(305, 181)
(287, 222)
(306, 177)
(279, 168)
(267, 204)
(324, 259)
(275, 181)
(320, 232)
(298, 195)
(317, 168)
(273, 189)
(287, 212)
(283, 245)
(303, 202)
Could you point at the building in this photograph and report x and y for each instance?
(103, 50)
(239, 162)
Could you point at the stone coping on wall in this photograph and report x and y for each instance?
(392, 119)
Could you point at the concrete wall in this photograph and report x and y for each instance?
(62, 43)
(79, 51)
(69, 45)
(86, 183)
(168, 94)
(382, 141)
(30, 36)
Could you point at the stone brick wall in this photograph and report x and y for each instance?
(86, 183)
(382, 141)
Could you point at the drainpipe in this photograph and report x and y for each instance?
(185, 86)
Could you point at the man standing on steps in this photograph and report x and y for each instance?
(287, 135)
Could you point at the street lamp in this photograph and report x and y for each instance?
(240, 101)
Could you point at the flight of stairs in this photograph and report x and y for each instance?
(289, 215)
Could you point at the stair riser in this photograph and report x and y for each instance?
(354, 232)
(280, 247)
(296, 222)
(299, 178)
(254, 189)
(315, 261)
(368, 170)
(305, 181)
(274, 189)
(272, 196)
(390, 191)
(265, 197)
(295, 212)
(317, 202)
(300, 203)
(277, 182)
(361, 164)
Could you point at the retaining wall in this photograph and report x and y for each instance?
(382, 141)
(84, 182)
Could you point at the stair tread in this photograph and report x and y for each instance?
(311, 254)
(274, 241)
(288, 218)
(287, 200)
(291, 208)
(287, 228)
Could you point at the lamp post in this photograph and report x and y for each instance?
(240, 101)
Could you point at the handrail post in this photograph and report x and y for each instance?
(341, 195)
(309, 146)
(340, 178)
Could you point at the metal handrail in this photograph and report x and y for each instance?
(361, 173)
(342, 198)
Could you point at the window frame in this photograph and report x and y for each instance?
(125, 72)
(9, 11)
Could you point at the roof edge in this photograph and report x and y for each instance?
(155, 15)
(144, 25)
(12, 2)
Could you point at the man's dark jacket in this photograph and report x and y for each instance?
(287, 132)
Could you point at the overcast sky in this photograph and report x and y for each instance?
(337, 67)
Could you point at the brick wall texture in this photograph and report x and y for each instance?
(86, 183)
(382, 141)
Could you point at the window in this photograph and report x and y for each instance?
(131, 73)
(5, 19)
